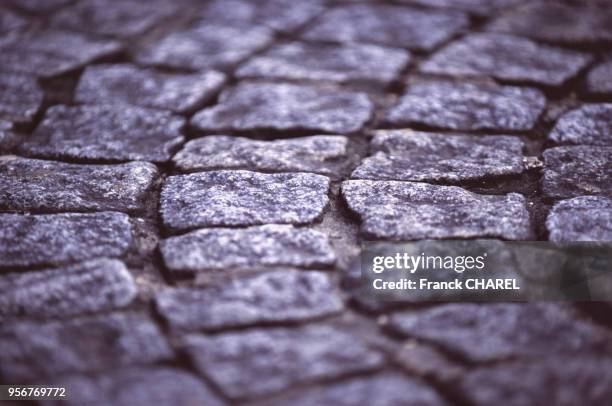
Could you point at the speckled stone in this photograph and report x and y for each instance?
(498, 331)
(554, 22)
(576, 171)
(468, 106)
(124, 83)
(9, 138)
(411, 211)
(349, 63)
(286, 107)
(119, 19)
(282, 296)
(33, 350)
(242, 198)
(51, 53)
(560, 380)
(388, 25)
(477, 7)
(506, 57)
(585, 218)
(384, 389)
(419, 156)
(97, 285)
(254, 247)
(279, 15)
(590, 124)
(138, 386)
(20, 97)
(32, 184)
(52, 239)
(325, 154)
(599, 79)
(205, 46)
(107, 133)
(263, 361)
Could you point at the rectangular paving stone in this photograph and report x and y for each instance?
(329, 155)
(286, 107)
(402, 27)
(93, 286)
(468, 106)
(504, 330)
(248, 248)
(576, 171)
(55, 239)
(348, 63)
(590, 124)
(264, 361)
(205, 46)
(242, 198)
(54, 52)
(419, 156)
(584, 218)
(506, 57)
(599, 79)
(33, 184)
(284, 296)
(20, 97)
(124, 83)
(106, 133)
(34, 351)
(412, 211)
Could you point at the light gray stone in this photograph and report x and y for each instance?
(590, 124)
(599, 79)
(20, 97)
(585, 218)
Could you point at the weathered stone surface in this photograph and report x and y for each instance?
(107, 17)
(506, 57)
(411, 211)
(388, 25)
(585, 218)
(20, 97)
(590, 124)
(11, 21)
(51, 53)
(107, 133)
(97, 285)
(498, 331)
(279, 15)
(418, 156)
(275, 297)
(286, 107)
(32, 350)
(384, 389)
(477, 7)
(32, 184)
(468, 106)
(599, 79)
(324, 154)
(555, 22)
(53, 239)
(576, 171)
(205, 46)
(253, 247)
(560, 380)
(123, 83)
(264, 361)
(242, 198)
(138, 386)
(349, 63)
(9, 139)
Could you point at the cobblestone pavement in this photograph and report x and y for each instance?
(184, 187)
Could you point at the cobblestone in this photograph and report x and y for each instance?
(32, 184)
(242, 198)
(106, 133)
(590, 124)
(20, 97)
(468, 106)
(419, 156)
(9, 139)
(599, 79)
(585, 218)
(259, 246)
(129, 84)
(286, 107)
(409, 211)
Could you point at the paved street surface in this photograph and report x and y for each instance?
(185, 186)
